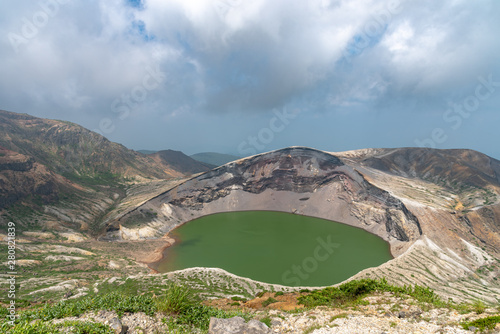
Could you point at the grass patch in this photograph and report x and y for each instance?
(352, 293)
(269, 301)
(74, 308)
(478, 307)
(311, 329)
(178, 302)
(338, 316)
(266, 320)
(39, 327)
(483, 323)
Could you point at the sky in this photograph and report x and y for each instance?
(248, 76)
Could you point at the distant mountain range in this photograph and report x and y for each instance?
(214, 159)
(210, 159)
(181, 162)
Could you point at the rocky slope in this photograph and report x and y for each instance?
(21, 176)
(56, 174)
(438, 209)
(69, 149)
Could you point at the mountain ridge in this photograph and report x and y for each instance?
(63, 169)
(213, 158)
(180, 162)
(438, 209)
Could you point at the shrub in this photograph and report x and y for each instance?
(267, 321)
(176, 300)
(269, 301)
(353, 291)
(478, 306)
(260, 294)
(483, 323)
(345, 293)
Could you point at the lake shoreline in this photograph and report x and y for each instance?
(160, 253)
(157, 264)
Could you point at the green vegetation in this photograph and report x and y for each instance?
(269, 301)
(183, 311)
(179, 303)
(267, 321)
(311, 329)
(338, 316)
(260, 294)
(176, 300)
(478, 306)
(483, 323)
(111, 301)
(352, 292)
(39, 327)
(97, 178)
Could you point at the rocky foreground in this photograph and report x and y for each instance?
(380, 313)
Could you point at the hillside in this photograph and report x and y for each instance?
(21, 177)
(180, 162)
(69, 149)
(56, 173)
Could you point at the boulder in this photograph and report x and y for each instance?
(117, 326)
(237, 325)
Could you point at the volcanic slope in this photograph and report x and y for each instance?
(439, 210)
(59, 175)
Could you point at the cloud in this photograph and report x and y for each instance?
(73, 59)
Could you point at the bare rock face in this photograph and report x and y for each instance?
(21, 176)
(237, 325)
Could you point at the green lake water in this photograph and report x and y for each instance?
(275, 247)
